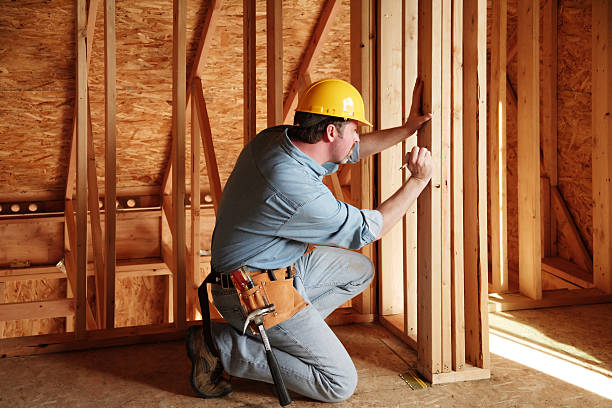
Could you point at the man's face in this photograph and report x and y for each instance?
(344, 143)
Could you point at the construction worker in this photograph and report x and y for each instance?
(273, 211)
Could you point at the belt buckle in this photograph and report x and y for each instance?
(226, 282)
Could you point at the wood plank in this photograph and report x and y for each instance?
(498, 148)
(457, 256)
(569, 229)
(390, 160)
(194, 257)
(429, 202)
(474, 181)
(319, 36)
(70, 261)
(81, 168)
(469, 373)
(179, 78)
(445, 190)
(274, 61)
(208, 29)
(207, 142)
(37, 310)
(110, 162)
(528, 151)
(553, 298)
(549, 118)
(602, 144)
(250, 75)
(410, 69)
(568, 271)
(94, 221)
(362, 63)
(71, 177)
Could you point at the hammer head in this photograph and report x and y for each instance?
(256, 316)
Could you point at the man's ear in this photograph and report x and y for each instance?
(330, 133)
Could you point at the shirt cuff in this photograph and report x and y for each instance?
(374, 222)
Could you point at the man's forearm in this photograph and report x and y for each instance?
(394, 208)
(377, 141)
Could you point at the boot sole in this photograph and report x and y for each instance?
(194, 360)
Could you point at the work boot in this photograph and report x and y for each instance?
(206, 370)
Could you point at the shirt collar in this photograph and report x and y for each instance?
(301, 157)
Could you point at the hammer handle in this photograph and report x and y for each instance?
(283, 395)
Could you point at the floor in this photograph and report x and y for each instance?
(155, 375)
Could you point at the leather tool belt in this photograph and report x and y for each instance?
(270, 287)
(273, 287)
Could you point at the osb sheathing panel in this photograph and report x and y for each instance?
(574, 142)
(141, 301)
(37, 84)
(31, 291)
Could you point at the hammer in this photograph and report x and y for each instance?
(256, 317)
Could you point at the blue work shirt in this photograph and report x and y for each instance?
(274, 204)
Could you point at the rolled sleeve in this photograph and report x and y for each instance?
(325, 220)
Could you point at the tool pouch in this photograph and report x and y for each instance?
(286, 299)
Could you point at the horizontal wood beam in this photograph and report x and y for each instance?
(553, 298)
(37, 310)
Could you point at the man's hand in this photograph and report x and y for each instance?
(420, 163)
(416, 118)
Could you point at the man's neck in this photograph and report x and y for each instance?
(316, 151)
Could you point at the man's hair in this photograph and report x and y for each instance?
(310, 127)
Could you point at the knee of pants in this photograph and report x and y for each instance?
(363, 268)
(340, 389)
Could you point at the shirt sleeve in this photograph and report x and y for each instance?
(325, 220)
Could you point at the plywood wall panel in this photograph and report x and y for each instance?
(574, 117)
(32, 243)
(28, 291)
(140, 301)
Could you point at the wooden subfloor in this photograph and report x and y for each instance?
(155, 375)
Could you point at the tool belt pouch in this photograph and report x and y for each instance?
(286, 299)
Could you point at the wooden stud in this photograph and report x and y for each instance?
(445, 187)
(429, 203)
(528, 152)
(71, 176)
(94, 216)
(315, 44)
(250, 74)
(457, 258)
(274, 52)
(390, 160)
(81, 168)
(179, 79)
(195, 209)
(602, 145)
(362, 61)
(474, 182)
(207, 142)
(498, 147)
(410, 46)
(209, 25)
(549, 120)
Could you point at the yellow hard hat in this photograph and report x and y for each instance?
(333, 97)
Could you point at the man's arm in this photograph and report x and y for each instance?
(393, 209)
(377, 141)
